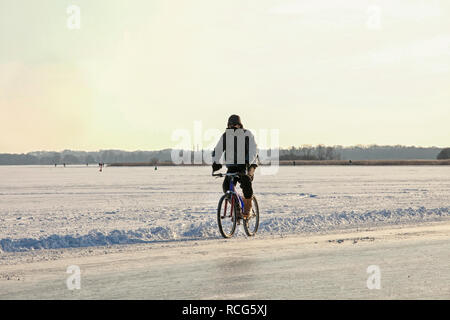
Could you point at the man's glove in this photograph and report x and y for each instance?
(216, 166)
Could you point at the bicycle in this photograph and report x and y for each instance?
(233, 201)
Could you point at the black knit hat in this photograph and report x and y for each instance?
(234, 119)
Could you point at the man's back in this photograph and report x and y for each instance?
(238, 148)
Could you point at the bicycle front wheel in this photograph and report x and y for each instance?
(226, 215)
(252, 223)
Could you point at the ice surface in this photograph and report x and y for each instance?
(77, 206)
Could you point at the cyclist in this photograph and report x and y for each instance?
(240, 152)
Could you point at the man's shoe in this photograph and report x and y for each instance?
(247, 207)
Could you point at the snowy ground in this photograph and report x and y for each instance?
(412, 262)
(49, 216)
(47, 207)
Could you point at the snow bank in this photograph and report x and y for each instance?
(207, 229)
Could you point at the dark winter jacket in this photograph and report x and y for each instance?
(237, 149)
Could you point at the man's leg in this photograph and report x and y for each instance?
(246, 185)
(226, 184)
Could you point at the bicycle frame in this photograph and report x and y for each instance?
(232, 190)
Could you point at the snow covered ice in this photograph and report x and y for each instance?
(43, 207)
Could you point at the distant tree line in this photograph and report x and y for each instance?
(359, 152)
(444, 154)
(83, 157)
(304, 152)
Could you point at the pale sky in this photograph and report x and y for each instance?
(324, 71)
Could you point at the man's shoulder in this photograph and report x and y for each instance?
(237, 131)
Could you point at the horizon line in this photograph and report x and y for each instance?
(280, 148)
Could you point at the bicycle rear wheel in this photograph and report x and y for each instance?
(252, 223)
(226, 215)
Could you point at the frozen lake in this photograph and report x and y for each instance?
(77, 206)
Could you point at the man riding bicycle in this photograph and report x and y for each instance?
(239, 149)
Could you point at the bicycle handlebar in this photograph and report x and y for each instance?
(226, 174)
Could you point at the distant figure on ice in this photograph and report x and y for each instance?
(64, 165)
(55, 165)
(101, 166)
(156, 168)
